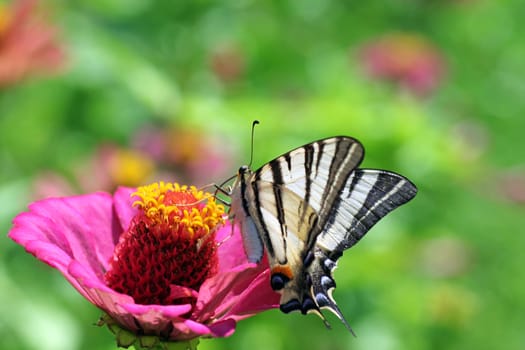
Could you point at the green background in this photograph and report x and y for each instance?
(443, 272)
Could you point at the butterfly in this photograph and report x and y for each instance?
(304, 209)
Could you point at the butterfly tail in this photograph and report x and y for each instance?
(322, 285)
(325, 301)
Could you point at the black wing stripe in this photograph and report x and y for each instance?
(387, 193)
(347, 155)
(344, 161)
(320, 152)
(366, 217)
(335, 169)
(260, 219)
(309, 153)
(334, 210)
(288, 161)
(244, 197)
(279, 206)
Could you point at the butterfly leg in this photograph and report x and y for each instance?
(230, 235)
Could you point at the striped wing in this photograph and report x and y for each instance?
(309, 205)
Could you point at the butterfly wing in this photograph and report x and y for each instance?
(309, 205)
(368, 195)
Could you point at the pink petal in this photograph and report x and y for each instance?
(145, 318)
(223, 328)
(257, 297)
(231, 249)
(123, 203)
(179, 292)
(94, 289)
(154, 311)
(230, 294)
(218, 329)
(189, 329)
(88, 282)
(58, 230)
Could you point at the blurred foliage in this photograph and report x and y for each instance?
(445, 271)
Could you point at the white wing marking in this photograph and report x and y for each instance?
(286, 239)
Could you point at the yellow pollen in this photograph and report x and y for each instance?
(197, 211)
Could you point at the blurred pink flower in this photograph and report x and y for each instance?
(111, 166)
(51, 184)
(227, 63)
(155, 269)
(184, 153)
(407, 59)
(107, 168)
(188, 152)
(28, 43)
(511, 185)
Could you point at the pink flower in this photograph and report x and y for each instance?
(28, 43)
(107, 168)
(406, 59)
(51, 184)
(188, 152)
(112, 165)
(158, 263)
(227, 63)
(510, 185)
(155, 153)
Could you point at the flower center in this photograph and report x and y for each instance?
(170, 243)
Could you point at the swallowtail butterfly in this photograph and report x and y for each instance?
(305, 208)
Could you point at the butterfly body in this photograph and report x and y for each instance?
(304, 209)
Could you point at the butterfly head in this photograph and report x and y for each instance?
(240, 185)
(244, 169)
(244, 172)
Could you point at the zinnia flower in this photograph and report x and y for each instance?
(160, 261)
(28, 43)
(406, 59)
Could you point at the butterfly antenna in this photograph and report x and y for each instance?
(220, 188)
(255, 122)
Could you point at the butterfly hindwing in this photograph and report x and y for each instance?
(306, 207)
(367, 196)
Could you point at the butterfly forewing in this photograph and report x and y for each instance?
(307, 206)
(315, 172)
